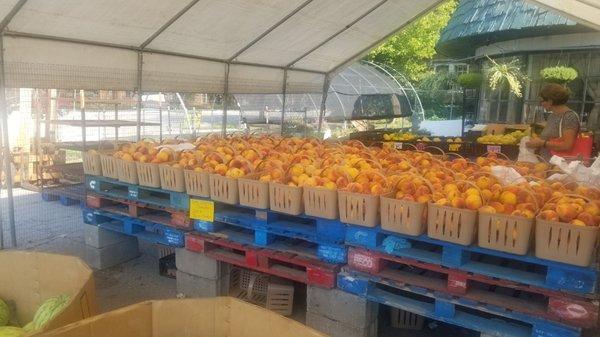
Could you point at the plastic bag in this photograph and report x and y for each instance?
(526, 154)
(507, 175)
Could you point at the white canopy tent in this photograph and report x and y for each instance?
(209, 46)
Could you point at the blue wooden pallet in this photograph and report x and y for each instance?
(148, 195)
(144, 230)
(494, 321)
(526, 269)
(303, 227)
(263, 237)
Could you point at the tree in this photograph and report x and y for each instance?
(411, 50)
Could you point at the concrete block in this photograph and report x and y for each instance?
(112, 255)
(199, 264)
(195, 286)
(338, 329)
(99, 237)
(341, 306)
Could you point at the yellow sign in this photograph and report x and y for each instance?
(453, 147)
(202, 210)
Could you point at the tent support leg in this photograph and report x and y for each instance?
(284, 90)
(323, 101)
(225, 102)
(6, 148)
(139, 94)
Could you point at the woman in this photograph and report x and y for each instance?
(562, 126)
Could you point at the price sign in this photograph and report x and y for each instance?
(202, 210)
(494, 148)
(398, 146)
(454, 147)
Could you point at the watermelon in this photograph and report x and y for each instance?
(11, 331)
(28, 327)
(4, 313)
(49, 309)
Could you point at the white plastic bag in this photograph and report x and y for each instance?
(526, 154)
(507, 175)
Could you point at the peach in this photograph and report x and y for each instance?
(508, 198)
(377, 189)
(483, 182)
(487, 209)
(486, 194)
(567, 212)
(586, 218)
(472, 191)
(330, 185)
(355, 188)
(458, 202)
(408, 197)
(593, 209)
(424, 198)
(127, 157)
(497, 206)
(577, 222)
(473, 201)
(442, 202)
(526, 206)
(549, 214)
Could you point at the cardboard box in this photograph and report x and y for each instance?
(208, 317)
(28, 278)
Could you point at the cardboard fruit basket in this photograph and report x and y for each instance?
(197, 183)
(253, 192)
(127, 171)
(451, 224)
(567, 243)
(285, 199)
(209, 317)
(223, 189)
(29, 278)
(92, 163)
(110, 166)
(402, 216)
(321, 202)
(171, 178)
(148, 174)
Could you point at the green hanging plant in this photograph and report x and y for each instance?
(510, 72)
(559, 74)
(470, 80)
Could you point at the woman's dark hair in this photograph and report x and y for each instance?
(556, 93)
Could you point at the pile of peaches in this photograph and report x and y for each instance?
(405, 175)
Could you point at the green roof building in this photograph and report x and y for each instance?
(538, 38)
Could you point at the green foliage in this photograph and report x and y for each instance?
(559, 74)
(510, 72)
(436, 92)
(470, 80)
(411, 50)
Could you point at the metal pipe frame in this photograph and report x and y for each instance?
(348, 26)
(168, 23)
(269, 30)
(323, 101)
(225, 101)
(284, 90)
(361, 53)
(6, 148)
(140, 62)
(148, 50)
(8, 18)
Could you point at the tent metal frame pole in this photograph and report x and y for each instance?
(345, 28)
(8, 18)
(168, 23)
(358, 55)
(225, 102)
(140, 62)
(6, 148)
(323, 102)
(269, 30)
(153, 51)
(284, 90)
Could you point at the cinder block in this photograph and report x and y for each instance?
(99, 237)
(199, 264)
(195, 286)
(112, 255)
(338, 329)
(341, 306)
